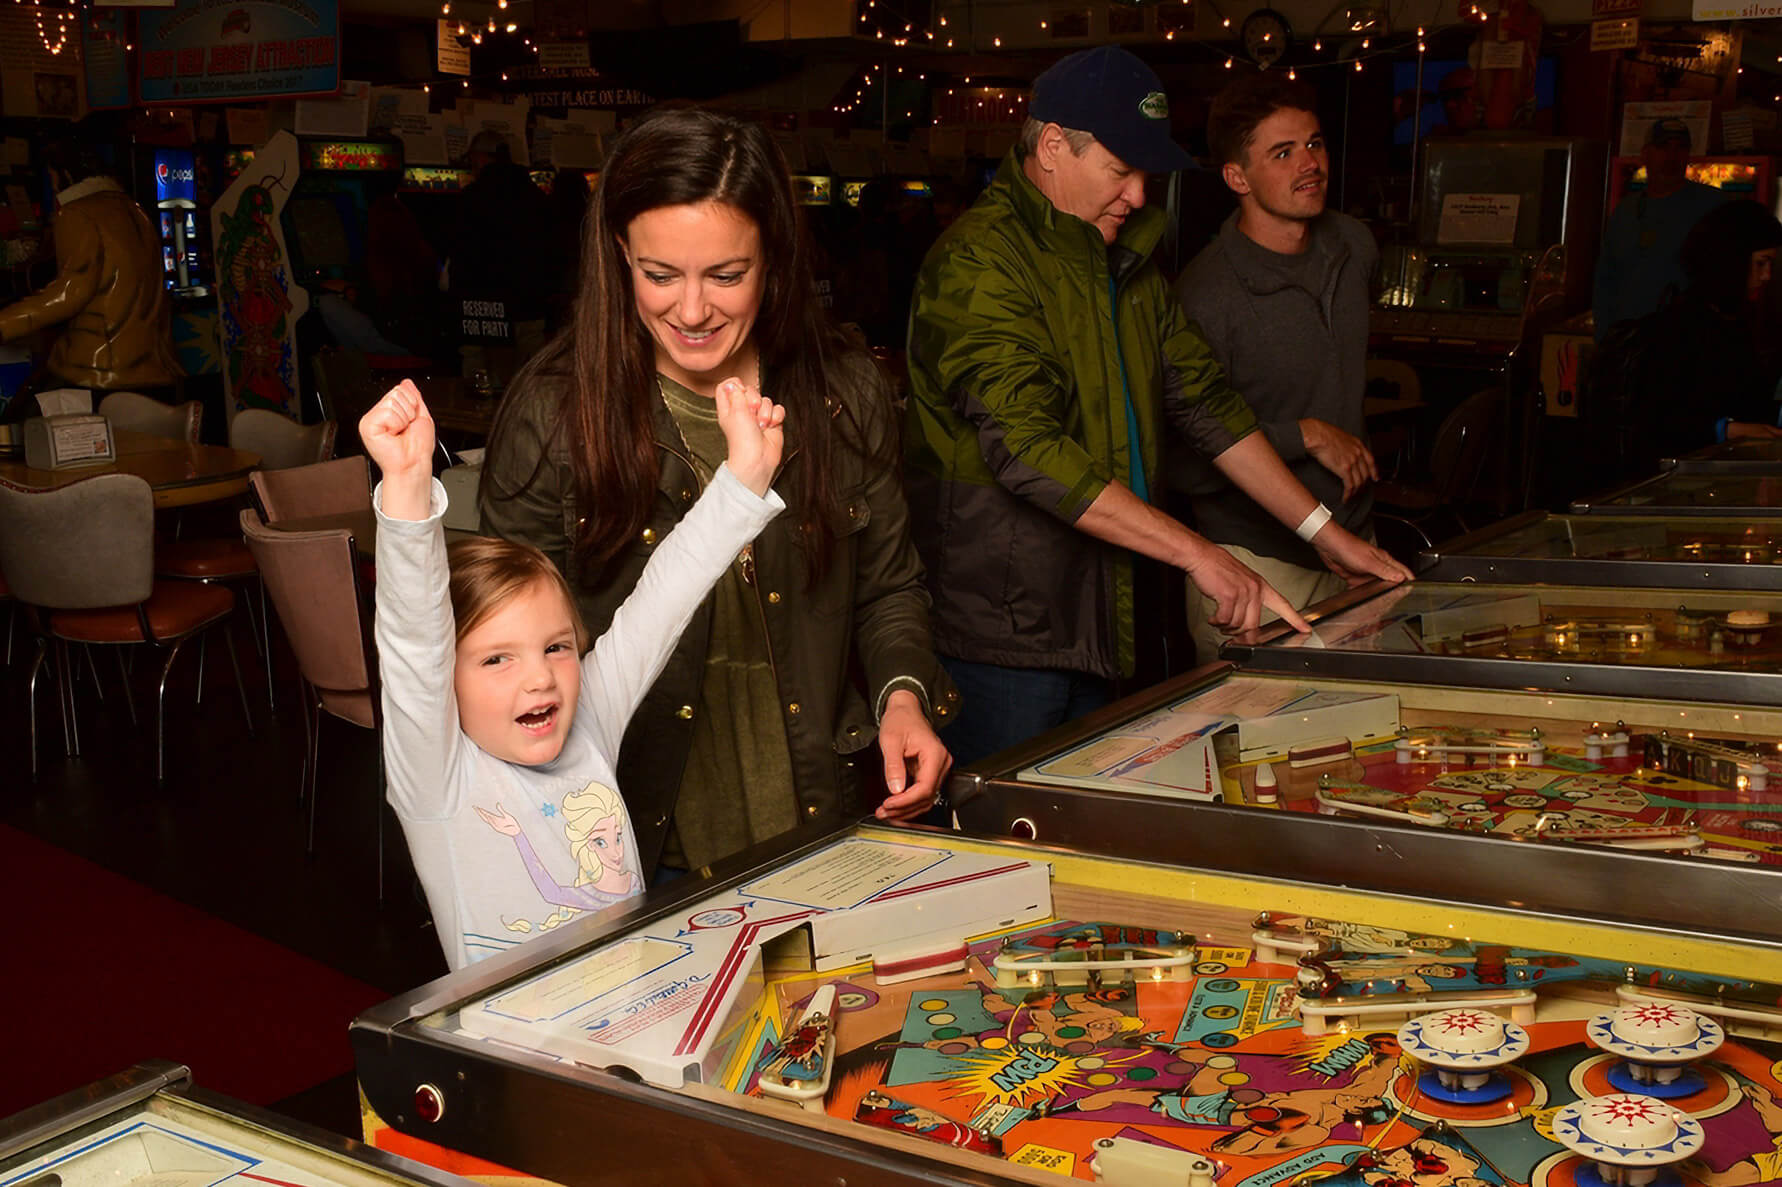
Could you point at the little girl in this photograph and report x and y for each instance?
(499, 735)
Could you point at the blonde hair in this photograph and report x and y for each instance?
(487, 572)
(584, 810)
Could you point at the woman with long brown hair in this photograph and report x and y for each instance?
(695, 270)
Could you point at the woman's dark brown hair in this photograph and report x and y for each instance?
(676, 158)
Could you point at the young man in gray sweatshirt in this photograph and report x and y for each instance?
(1282, 296)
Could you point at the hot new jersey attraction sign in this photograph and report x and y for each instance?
(203, 51)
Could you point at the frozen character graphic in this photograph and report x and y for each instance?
(256, 303)
(1266, 1124)
(594, 825)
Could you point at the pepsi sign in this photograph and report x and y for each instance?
(175, 176)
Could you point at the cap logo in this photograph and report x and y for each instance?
(1154, 106)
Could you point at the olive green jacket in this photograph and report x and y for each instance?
(867, 616)
(1024, 331)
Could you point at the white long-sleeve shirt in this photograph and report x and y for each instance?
(527, 861)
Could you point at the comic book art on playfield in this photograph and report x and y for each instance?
(1325, 1050)
(932, 993)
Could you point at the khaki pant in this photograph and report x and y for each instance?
(1301, 587)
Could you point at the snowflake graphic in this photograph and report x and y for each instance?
(548, 809)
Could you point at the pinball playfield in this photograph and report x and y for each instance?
(1631, 774)
(1004, 1013)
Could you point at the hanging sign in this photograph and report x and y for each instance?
(454, 57)
(1615, 34)
(201, 51)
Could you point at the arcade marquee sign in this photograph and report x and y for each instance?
(208, 51)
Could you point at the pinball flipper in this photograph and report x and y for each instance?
(1127, 1162)
(798, 1069)
(875, 1108)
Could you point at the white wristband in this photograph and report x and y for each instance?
(1314, 520)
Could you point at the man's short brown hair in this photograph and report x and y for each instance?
(1232, 120)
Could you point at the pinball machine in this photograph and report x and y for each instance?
(1701, 645)
(1676, 553)
(1761, 455)
(880, 1005)
(1675, 492)
(150, 1126)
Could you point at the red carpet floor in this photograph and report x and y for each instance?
(123, 973)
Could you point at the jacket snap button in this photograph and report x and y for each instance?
(774, 597)
(649, 535)
(661, 820)
(686, 495)
(941, 710)
(810, 809)
(685, 713)
(853, 731)
(793, 708)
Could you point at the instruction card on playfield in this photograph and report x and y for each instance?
(843, 875)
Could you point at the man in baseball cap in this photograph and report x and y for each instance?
(1643, 240)
(1044, 348)
(1116, 98)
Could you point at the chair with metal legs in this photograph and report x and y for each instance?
(81, 560)
(314, 581)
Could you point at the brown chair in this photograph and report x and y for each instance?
(81, 559)
(144, 414)
(304, 492)
(281, 443)
(313, 579)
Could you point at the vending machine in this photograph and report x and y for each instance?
(176, 207)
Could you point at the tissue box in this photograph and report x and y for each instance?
(58, 442)
(460, 482)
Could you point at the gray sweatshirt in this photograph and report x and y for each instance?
(506, 851)
(1291, 333)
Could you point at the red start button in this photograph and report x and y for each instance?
(1023, 828)
(429, 1103)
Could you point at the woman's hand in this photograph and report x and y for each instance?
(398, 436)
(908, 742)
(753, 430)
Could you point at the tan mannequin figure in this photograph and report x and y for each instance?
(108, 289)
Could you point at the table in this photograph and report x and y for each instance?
(180, 473)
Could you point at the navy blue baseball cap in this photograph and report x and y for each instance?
(1115, 97)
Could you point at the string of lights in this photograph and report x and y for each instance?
(1349, 53)
(59, 15)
